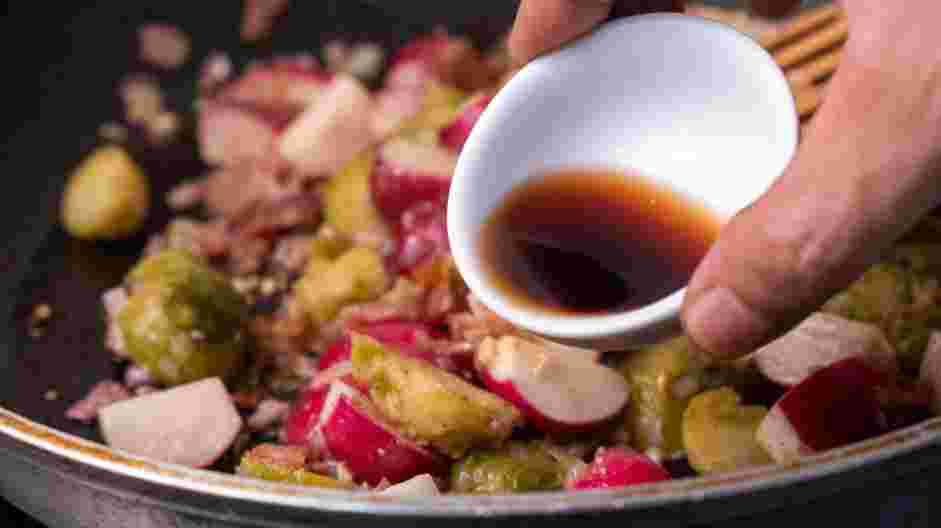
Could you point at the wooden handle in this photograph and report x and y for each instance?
(807, 99)
(807, 21)
(815, 70)
(806, 48)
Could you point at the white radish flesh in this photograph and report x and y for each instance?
(192, 424)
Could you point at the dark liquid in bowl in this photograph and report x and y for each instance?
(584, 241)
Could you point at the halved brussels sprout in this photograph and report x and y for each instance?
(337, 276)
(719, 432)
(517, 468)
(106, 197)
(429, 404)
(183, 321)
(278, 463)
(348, 205)
(900, 298)
(663, 378)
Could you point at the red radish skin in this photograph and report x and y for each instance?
(421, 235)
(401, 333)
(819, 341)
(406, 173)
(305, 413)
(331, 131)
(354, 434)
(418, 340)
(508, 392)
(618, 467)
(455, 134)
(557, 392)
(411, 338)
(192, 424)
(833, 407)
(339, 350)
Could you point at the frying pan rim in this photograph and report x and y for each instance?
(678, 492)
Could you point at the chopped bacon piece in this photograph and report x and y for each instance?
(186, 195)
(163, 45)
(104, 393)
(268, 413)
(450, 59)
(258, 17)
(136, 376)
(288, 457)
(478, 323)
(286, 86)
(231, 134)
(215, 70)
(142, 98)
(114, 301)
(267, 219)
(232, 190)
(422, 234)
(291, 253)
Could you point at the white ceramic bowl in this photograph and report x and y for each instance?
(685, 101)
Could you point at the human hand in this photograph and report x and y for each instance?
(867, 171)
(544, 25)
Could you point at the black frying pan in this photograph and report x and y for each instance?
(63, 62)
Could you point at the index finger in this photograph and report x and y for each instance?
(544, 25)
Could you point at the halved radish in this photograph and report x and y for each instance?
(338, 351)
(192, 425)
(558, 392)
(231, 133)
(302, 419)
(821, 340)
(616, 467)
(421, 235)
(408, 172)
(330, 131)
(355, 433)
(455, 133)
(835, 406)
(420, 486)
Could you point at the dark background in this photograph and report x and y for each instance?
(42, 43)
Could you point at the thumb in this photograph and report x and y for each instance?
(866, 172)
(544, 25)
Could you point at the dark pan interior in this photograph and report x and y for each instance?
(69, 91)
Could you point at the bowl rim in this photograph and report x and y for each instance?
(658, 495)
(641, 325)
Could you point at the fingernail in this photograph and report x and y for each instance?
(724, 326)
